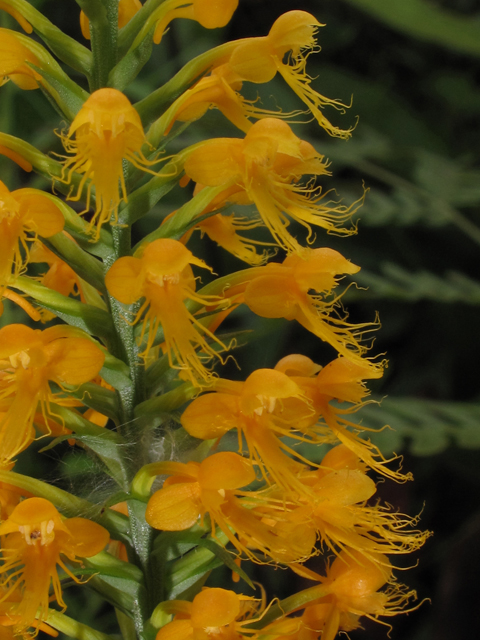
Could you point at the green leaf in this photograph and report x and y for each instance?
(43, 164)
(167, 402)
(426, 21)
(84, 265)
(64, 94)
(185, 218)
(142, 200)
(186, 572)
(93, 320)
(227, 558)
(116, 372)
(130, 65)
(98, 398)
(72, 628)
(120, 583)
(129, 32)
(152, 107)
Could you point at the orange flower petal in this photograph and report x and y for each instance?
(211, 416)
(42, 214)
(174, 508)
(215, 608)
(74, 360)
(124, 280)
(225, 470)
(88, 538)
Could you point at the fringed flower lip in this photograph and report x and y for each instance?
(106, 131)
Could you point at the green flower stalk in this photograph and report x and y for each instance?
(135, 346)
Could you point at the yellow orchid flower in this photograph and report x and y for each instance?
(214, 487)
(259, 59)
(24, 215)
(163, 277)
(106, 131)
(265, 169)
(29, 359)
(34, 539)
(214, 613)
(354, 583)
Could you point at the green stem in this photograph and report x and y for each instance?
(103, 33)
(129, 397)
(128, 348)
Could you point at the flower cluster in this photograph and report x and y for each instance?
(132, 357)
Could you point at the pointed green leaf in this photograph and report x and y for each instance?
(93, 320)
(84, 264)
(64, 93)
(119, 582)
(130, 65)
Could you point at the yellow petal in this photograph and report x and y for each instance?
(215, 608)
(174, 508)
(216, 162)
(88, 538)
(211, 415)
(17, 337)
(74, 360)
(42, 214)
(176, 630)
(225, 470)
(272, 297)
(124, 280)
(253, 61)
(213, 14)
